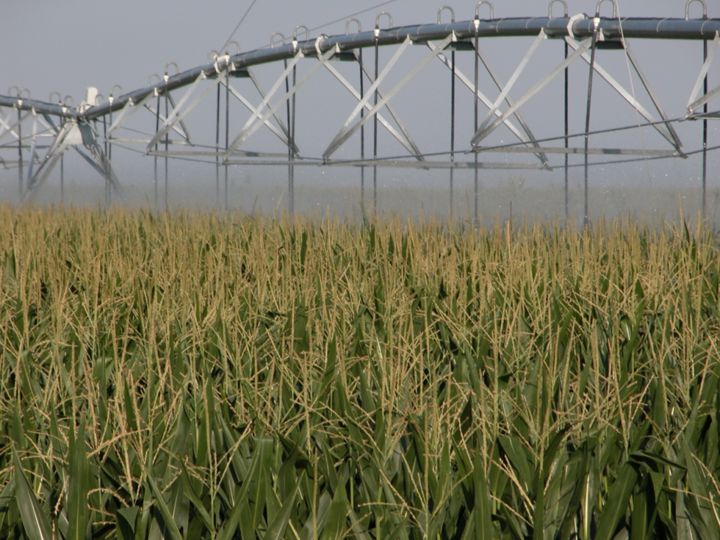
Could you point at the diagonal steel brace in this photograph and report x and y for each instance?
(530, 138)
(176, 116)
(162, 119)
(625, 94)
(279, 134)
(129, 110)
(251, 127)
(518, 71)
(482, 133)
(703, 74)
(695, 103)
(409, 146)
(416, 150)
(186, 135)
(58, 147)
(11, 128)
(284, 129)
(646, 83)
(33, 149)
(346, 133)
(373, 88)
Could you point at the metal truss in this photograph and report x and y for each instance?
(34, 135)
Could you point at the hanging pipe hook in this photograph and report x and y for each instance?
(687, 9)
(237, 47)
(295, 32)
(166, 75)
(112, 90)
(272, 39)
(59, 97)
(167, 71)
(477, 10)
(389, 18)
(615, 12)
(446, 8)
(552, 3)
(347, 26)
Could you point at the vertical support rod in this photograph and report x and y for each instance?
(108, 186)
(292, 148)
(167, 142)
(109, 140)
(217, 150)
(157, 128)
(586, 220)
(452, 130)
(477, 51)
(227, 130)
(20, 155)
(567, 132)
(289, 124)
(62, 165)
(375, 123)
(705, 140)
(362, 133)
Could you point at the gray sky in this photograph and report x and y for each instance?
(66, 46)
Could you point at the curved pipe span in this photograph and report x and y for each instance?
(642, 28)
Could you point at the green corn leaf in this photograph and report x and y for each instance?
(617, 502)
(159, 501)
(276, 528)
(35, 522)
(358, 529)
(482, 511)
(125, 520)
(262, 452)
(197, 503)
(322, 512)
(130, 408)
(639, 525)
(337, 518)
(78, 511)
(179, 505)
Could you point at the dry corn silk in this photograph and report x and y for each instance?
(190, 375)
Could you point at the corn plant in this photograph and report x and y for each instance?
(186, 375)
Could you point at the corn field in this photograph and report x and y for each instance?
(199, 376)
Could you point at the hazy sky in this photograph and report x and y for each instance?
(66, 46)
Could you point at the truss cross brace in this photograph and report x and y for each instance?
(460, 75)
(279, 134)
(284, 129)
(176, 129)
(10, 128)
(521, 67)
(626, 96)
(694, 103)
(482, 133)
(251, 127)
(176, 116)
(416, 150)
(58, 147)
(409, 146)
(646, 83)
(346, 133)
(128, 111)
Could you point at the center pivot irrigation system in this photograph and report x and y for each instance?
(98, 123)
